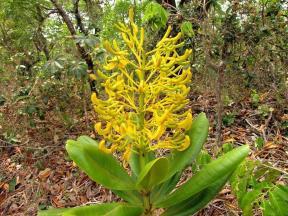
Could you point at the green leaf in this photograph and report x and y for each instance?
(241, 178)
(187, 29)
(12, 184)
(222, 166)
(153, 173)
(248, 201)
(99, 166)
(134, 161)
(198, 135)
(87, 139)
(156, 15)
(277, 203)
(197, 201)
(202, 159)
(164, 188)
(133, 197)
(112, 209)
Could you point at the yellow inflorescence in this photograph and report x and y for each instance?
(145, 101)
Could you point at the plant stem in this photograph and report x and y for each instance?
(147, 204)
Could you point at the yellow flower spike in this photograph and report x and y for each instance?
(113, 148)
(127, 153)
(122, 128)
(110, 66)
(184, 57)
(108, 47)
(177, 37)
(100, 131)
(120, 28)
(131, 15)
(94, 98)
(163, 118)
(184, 78)
(158, 133)
(169, 29)
(135, 31)
(141, 39)
(186, 123)
(92, 76)
(115, 45)
(141, 87)
(186, 144)
(144, 104)
(127, 41)
(103, 148)
(101, 75)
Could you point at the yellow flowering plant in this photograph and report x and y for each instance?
(143, 113)
(145, 95)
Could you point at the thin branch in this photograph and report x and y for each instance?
(80, 24)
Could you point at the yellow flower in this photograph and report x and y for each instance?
(144, 104)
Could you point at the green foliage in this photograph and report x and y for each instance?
(2, 100)
(218, 168)
(198, 135)
(254, 185)
(277, 202)
(256, 55)
(198, 201)
(255, 98)
(187, 29)
(155, 15)
(115, 13)
(153, 173)
(228, 119)
(12, 184)
(109, 172)
(284, 127)
(259, 142)
(109, 209)
(155, 179)
(264, 110)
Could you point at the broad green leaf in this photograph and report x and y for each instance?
(198, 134)
(207, 176)
(125, 211)
(112, 209)
(134, 161)
(197, 201)
(129, 196)
(87, 139)
(165, 188)
(100, 167)
(153, 173)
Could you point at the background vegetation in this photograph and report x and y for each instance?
(49, 48)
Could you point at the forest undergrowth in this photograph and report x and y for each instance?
(37, 173)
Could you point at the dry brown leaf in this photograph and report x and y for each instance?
(271, 145)
(44, 174)
(4, 186)
(284, 117)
